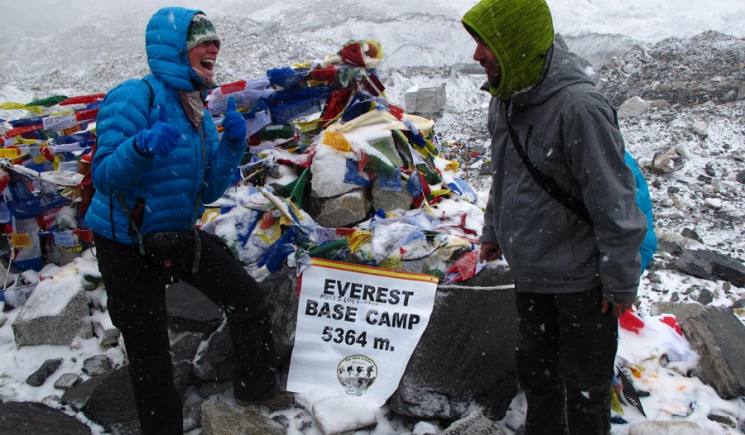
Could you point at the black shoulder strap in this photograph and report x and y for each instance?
(151, 95)
(547, 183)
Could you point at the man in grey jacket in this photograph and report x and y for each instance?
(574, 252)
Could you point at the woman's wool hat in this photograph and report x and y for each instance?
(200, 30)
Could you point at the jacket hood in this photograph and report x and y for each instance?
(165, 45)
(519, 33)
(563, 69)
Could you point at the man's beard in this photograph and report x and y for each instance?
(494, 80)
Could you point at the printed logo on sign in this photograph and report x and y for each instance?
(356, 373)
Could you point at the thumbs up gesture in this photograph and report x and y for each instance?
(233, 124)
(160, 139)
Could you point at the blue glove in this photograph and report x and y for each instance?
(159, 139)
(233, 124)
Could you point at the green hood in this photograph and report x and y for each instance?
(520, 33)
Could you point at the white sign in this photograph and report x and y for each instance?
(357, 327)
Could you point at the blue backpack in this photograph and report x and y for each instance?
(643, 201)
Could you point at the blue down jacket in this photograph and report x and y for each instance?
(644, 202)
(174, 188)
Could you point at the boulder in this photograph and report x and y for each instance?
(52, 315)
(472, 330)
(31, 418)
(668, 161)
(717, 335)
(185, 346)
(474, 423)
(221, 418)
(666, 428)
(426, 101)
(390, 199)
(110, 338)
(466, 334)
(112, 404)
(711, 265)
(340, 211)
(215, 361)
(97, 365)
(190, 310)
(37, 378)
(67, 381)
(282, 302)
(633, 107)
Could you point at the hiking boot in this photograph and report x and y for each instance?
(277, 401)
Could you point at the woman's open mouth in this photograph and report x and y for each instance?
(208, 64)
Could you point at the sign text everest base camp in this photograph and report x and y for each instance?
(357, 327)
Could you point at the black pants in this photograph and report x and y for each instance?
(565, 362)
(137, 306)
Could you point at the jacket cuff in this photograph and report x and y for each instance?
(625, 296)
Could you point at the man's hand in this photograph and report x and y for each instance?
(490, 251)
(618, 308)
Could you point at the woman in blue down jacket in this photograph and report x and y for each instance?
(158, 161)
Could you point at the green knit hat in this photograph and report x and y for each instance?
(200, 30)
(519, 33)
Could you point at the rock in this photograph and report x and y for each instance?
(77, 397)
(670, 242)
(668, 161)
(710, 170)
(425, 428)
(740, 303)
(705, 297)
(97, 365)
(206, 390)
(215, 361)
(711, 265)
(714, 203)
(67, 381)
(221, 418)
(699, 127)
(691, 234)
(282, 303)
(185, 346)
(112, 404)
(740, 177)
(190, 310)
(632, 108)
(438, 382)
(725, 420)
(426, 101)
(110, 338)
(717, 336)
(741, 91)
(30, 418)
(472, 329)
(37, 378)
(390, 200)
(666, 428)
(475, 423)
(328, 172)
(52, 319)
(340, 211)
(192, 412)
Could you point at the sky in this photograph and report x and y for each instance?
(647, 20)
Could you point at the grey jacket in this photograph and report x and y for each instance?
(569, 132)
